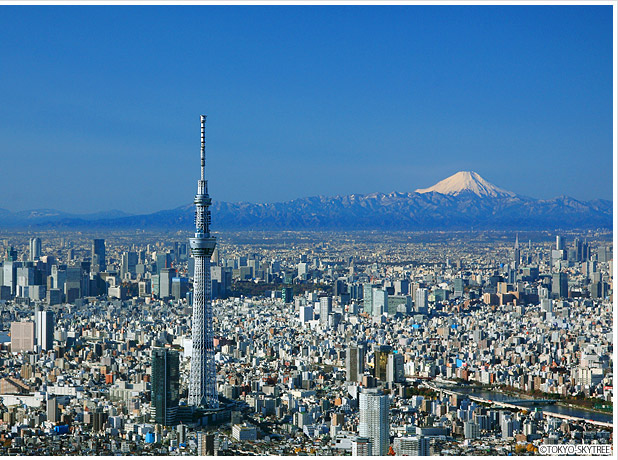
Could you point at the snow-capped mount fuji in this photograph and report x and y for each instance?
(467, 181)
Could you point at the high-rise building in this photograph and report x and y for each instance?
(559, 243)
(52, 410)
(471, 430)
(287, 294)
(326, 307)
(373, 419)
(402, 287)
(421, 300)
(368, 298)
(380, 361)
(165, 385)
(305, 313)
(379, 302)
(9, 271)
(506, 426)
(73, 284)
(128, 263)
(165, 282)
(180, 287)
(44, 320)
(203, 380)
(394, 368)
(560, 285)
(35, 248)
(164, 260)
(98, 255)
(355, 363)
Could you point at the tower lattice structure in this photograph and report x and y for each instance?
(203, 384)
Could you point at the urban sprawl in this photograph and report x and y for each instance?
(346, 343)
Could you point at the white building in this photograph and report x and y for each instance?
(411, 445)
(472, 430)
(45, 329)
(379, 302)
(326, 307)
(305, 313)
(244, 432)
(421, 300)
(374, 424)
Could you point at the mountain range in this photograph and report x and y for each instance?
(462, 201)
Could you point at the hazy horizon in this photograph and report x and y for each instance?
(189, 202)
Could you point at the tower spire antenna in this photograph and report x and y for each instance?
(203, 150)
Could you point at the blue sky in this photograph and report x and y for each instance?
(100, 105)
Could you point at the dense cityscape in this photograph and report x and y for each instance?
(344, 343)
(399, 239)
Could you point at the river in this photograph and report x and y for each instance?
(556, 408)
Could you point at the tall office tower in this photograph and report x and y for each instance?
(421, 300)
(380, 361)
(44, 329)
(355, 363)
(578, 246)
(368, 298)
(165, 282)
(128, 263)
(326, 307)
(402, 287)
(73, 283)
(560, 285)
(516, 251)
(559, 243)
(164, 260)
(373, 423)
(165, 393)
(35, 248)
(9, 271)
(305, 313)
(98, 255)
(379, 302)
(11, 254)
(395, 369)
(203, 380)
(52, 410)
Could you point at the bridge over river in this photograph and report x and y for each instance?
(524, 404)
(529, 402)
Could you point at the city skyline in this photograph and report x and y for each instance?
(469, 315)
(102, 99)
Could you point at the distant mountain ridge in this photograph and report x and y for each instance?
(459, 202)
(47, 216)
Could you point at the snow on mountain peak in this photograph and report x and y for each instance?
(466, 181)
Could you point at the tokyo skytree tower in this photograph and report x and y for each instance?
(203, 383)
